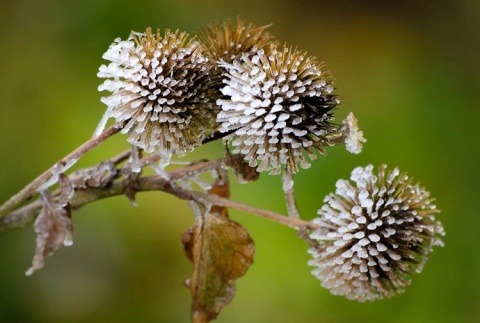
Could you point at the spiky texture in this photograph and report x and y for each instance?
(373, 234)
(278, 105)
(161, 91)
(229, 41)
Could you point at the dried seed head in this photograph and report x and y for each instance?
(227, 41)
(373, 234)
(160, 90)
(277, 106)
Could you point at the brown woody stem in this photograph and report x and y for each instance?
(119, 186)
(28, 191)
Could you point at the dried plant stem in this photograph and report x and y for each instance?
(29, 190)
(121, 157)
(287, 178)
(88, 195)
(295, 223)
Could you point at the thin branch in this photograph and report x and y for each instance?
(296, 223)
(196, 168)
(288, 190)
(29, 190)
(121, 157)
(158, 183)
(151, 183)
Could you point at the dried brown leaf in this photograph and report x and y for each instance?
(66, 190)
(243, 171)
(102, 175)
(220, 187)
(53, 225)
(130, 184)
(221, 250)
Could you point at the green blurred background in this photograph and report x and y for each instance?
(410, 72)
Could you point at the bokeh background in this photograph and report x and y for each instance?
(410, 72)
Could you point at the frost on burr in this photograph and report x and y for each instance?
(160, 91)
(277, 109)
(374, 232)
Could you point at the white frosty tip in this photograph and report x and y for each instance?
(68, 241)
(354, 138)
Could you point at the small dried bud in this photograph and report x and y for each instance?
(373, 234)
(277, 106)
(160, 89)
(353, 135)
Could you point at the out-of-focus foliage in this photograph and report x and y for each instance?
(408, 70)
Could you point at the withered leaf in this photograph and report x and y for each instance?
(53, 225)
(221, 250)
(243, 171)
(66, 190)
(220, 187)
(101, 175)
(130, 183)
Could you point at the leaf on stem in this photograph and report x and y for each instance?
(100, 176)
(221, 251)
(243, 171)
(53, 225)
